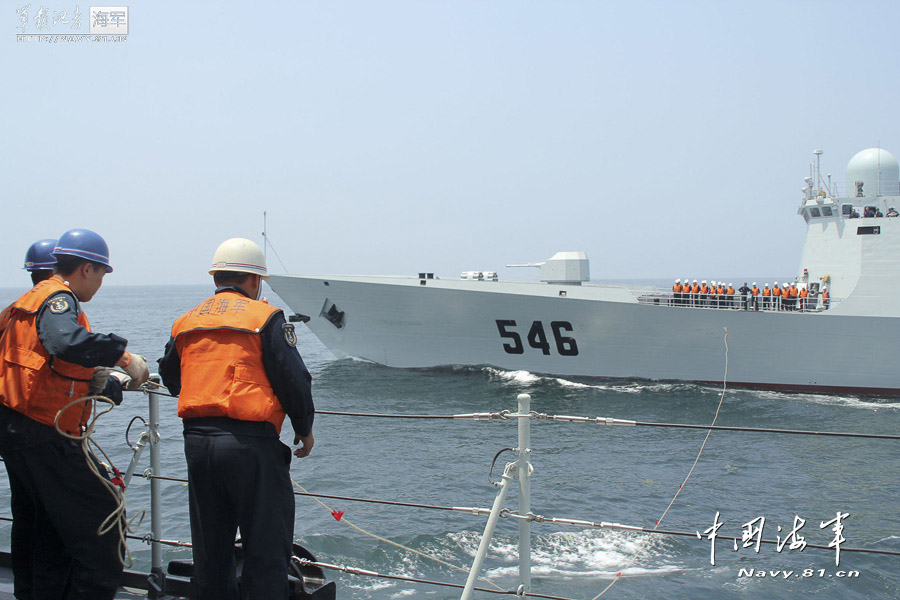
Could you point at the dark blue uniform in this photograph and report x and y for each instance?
(239, 477)
(57, 503)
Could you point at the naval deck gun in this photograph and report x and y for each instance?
(563, 268)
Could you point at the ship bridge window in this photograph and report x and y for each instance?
(826, 211)
(868, 230)
(814, 212)
(846, 209)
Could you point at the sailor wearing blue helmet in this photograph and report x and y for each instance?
(49, 357)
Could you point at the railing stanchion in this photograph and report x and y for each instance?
(488, 532)
(524, 468)
(157, 579)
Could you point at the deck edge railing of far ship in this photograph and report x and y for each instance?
(814, 303)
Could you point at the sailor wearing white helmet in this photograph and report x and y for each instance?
(234, 362)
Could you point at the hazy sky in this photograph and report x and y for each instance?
(663, 138)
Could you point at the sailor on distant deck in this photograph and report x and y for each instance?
(744, 290)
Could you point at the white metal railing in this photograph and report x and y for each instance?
(840, 189)
(521, 467)
(736, 301)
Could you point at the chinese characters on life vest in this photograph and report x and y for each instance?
(752, 535)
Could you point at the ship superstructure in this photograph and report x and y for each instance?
(566, 325)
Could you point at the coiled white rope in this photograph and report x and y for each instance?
(112, 480)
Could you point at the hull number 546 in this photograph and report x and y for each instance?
(537, 337)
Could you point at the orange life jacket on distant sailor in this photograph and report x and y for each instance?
(776, 291)
(804, 293)
(31, 381)
(755, 291)
(676, 288)
(695, 289)
(731, 290)
(766, 292)
(721, 290)
(793, 292)
(825, 296)
(222, 372)
(704, 289)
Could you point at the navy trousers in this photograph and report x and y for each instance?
(238, 474)
(62, 504)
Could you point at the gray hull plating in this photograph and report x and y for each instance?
(398, 322)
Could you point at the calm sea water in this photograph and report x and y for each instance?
(625, 475)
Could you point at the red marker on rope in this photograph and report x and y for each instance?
(117, 480)
(337, 514)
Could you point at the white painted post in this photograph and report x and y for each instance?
(157, 578)
(488, 532)
(524, 469)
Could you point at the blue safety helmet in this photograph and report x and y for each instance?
(86, 244)
(39, 256)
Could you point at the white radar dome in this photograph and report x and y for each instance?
(873, 172)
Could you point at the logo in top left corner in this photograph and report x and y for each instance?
(67, 22)
(111, 20)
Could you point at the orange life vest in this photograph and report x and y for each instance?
(31, 381)
(676, 288)
(766, 292)
(4, 317)
(793, 292)
(776, 292)
(222, 372)
(695, 289)
(804, 293)
(721, 290)
(730, 290)
(825, 295)
(755, 291)
(704, 289)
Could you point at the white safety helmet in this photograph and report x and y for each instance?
(677, 281)
(754, 284)
(704, 282)
(776, 283)
(239, 255)
(784, 285)
(695, 281)
(767, 285)
(730, 285)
